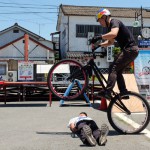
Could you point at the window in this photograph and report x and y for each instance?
(15, 31)
(3, 68)
(98, 63)
(82, 30)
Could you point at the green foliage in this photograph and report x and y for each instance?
(116, 51)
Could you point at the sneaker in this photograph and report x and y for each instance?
(103, 136)
(105, 94)
(88, 134)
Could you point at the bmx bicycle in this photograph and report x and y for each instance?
(127, 113)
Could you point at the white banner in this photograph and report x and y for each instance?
(142, 70)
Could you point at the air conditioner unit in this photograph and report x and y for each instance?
(12, 76)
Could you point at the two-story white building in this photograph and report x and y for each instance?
(14, 51)
(77, 23)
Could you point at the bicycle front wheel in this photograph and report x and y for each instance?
(67, 79)
(132, 121)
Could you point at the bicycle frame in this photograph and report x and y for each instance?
(97, 72)
(100, 76)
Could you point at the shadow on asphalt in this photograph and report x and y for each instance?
(111, 133)
(55, 133)
(75, 105)
(97, 107)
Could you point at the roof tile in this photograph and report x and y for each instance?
(91, 11)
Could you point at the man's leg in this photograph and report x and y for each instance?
(85, 133)
(95, 129)
(112, 76)
(113, 71)
(117, 67)
(103, 136)
(121, 82)
(99, 134)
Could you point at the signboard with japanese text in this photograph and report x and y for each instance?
(110, 57)
(25, 70)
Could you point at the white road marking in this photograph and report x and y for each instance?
(134, 124)
(146, 133)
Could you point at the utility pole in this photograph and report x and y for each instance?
(139, 13)
(141, 17)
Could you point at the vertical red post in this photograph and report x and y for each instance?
(26, 46)
(50, 98)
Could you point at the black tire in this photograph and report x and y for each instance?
(131, 123)
(58, 81)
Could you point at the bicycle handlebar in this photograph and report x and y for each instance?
(95, 45)
(95, 48)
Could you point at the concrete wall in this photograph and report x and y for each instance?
(64, 35)
(80, 44)
(9, 36)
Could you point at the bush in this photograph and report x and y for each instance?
(116, 51)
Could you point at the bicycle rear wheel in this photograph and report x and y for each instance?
(67, 79)
(133, 122)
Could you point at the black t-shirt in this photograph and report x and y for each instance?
(124, 38)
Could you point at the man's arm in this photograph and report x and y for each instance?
(111, 35)
(107, 43)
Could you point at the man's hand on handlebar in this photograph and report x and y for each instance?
(95, 47)
(95, 39)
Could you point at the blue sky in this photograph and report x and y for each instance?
(40, 16)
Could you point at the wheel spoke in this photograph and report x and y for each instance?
(62, 79)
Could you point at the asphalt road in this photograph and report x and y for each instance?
(36, 126)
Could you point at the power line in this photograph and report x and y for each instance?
(37, 14)
(27, 4)
(26, 7)
(18, 13)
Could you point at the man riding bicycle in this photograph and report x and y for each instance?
(129, 49)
